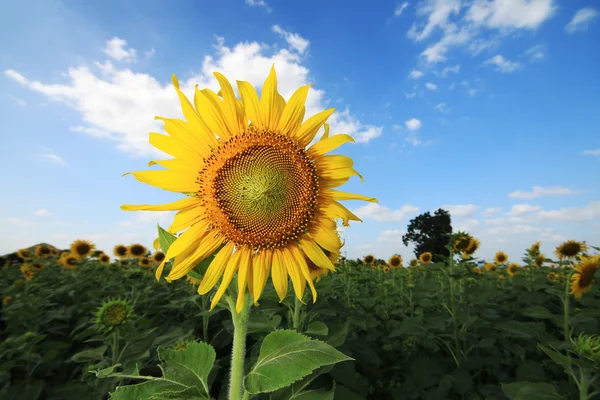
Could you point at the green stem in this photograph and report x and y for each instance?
(566, 301)
(296, 317)
(583, 385)
(115, 344)
(238, 353)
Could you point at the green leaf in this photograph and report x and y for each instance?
(106, 372)
(165, 239)
(557, 357)
(530, 391)
(88, 355)
(537, 311)
(146, 391)
(287, 356)
(189, 367)
(319, 394)
(317, 328)
(516, 329)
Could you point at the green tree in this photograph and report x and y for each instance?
(430, 233)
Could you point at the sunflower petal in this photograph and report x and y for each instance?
(175, 148)
(186, 218)
(269, 102)
(293, 113)
(306, 133)
(212, 113)
(181, 204)
(326, 238)
(181, 181)
(230, 270)
(233, 118)
(188, 239)
(244, 268)
(294, 272)
(329, 144)
(299, 257)
(279, 275)
(326, 133)
(251, 103)
(315, 254)
(340, 173)
(215, 269)
(336, 210)
(201, 139)
(190, 114)
(336, 194)
(206, 248)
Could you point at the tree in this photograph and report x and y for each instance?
(430, 233)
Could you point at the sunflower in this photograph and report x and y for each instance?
(256, 195)
(500, 258)
(413, 263)
(137, 250)
(158, 257)
(24, 254)
(570, 249)
(538, 261)
(554, 277)
(82, 248)
(193, 281)
(104, 259)
(581, 280)
(42, 250)
(68, 261)
(488, 266)
(472, 247)
(7, 300)
(120, 251)
(462, 242)
(144, 261)
(426, 257)
(512, 268)
(36, 267)
(124, 263)
(113, 314)
(369, 260)
(386, 269)
(395, 261)
(534, 250)
(27, 272)
(477, 270)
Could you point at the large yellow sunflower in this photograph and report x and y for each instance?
(257, 195)
(581, 280)
(570, 249)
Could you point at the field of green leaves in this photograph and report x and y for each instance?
(432, 331)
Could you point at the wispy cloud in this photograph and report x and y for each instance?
(536, 53)
(55, 159)
(413, 124)
(294, 40)
(431, 86)
(115, 49)
(383, 214)
(259, 3)
(415, 74)
(400, 8)
(42, 213)
(540, 191)
(582, 20)
(592, 152)
(502, 64)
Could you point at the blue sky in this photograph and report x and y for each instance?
(486, 108)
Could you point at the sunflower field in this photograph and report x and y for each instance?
(450, 330)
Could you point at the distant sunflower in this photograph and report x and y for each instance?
(144, 261)
(42, 251)
(113, 314)
(413, 263)
(554, 277)
(104, 259)
(24, 254)
(477, 270)
(260, 194)
(193, 281)
(462, 242)
(395, 261)
(534, 250)
(121, 251)
(472, 247)
(137, 250)
(369, 259)
(158, 257)
(82, 248)
(501, 258)
(426, 257)
(488, 266)
(581, 280)
(68, 261)
(124, 263)
(27, 272)
(570, 249)
(512, 268)
(538, 262)
(36, 267)
(386, 269)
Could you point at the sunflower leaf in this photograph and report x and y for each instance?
(165, 239)
(287, 356)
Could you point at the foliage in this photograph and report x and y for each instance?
(430, 233)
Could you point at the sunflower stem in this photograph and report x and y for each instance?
(114, 347)
(238, 352)
(296, 317)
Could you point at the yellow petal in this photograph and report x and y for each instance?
(215, 269)
(155, 244)
(212, 113)
(186, 218)
(326, 238)
(207, 247)
(176, 205)
(279, 275)
(333, 161)
(230, 108)
(315, 254)
(336, 210)
(340, 173)
(251, 104)
(306, 133)
(230, 270)
(175, 148)
(332, 183)
(336, 194)
(180, 181)
(190, 114)
(201, 139)
(299, 257)
(294, 272)
(259, 270)
(293, 113)
(188, 239)
(326, 134)
(243, 269)
(269, 102)
(326, 145)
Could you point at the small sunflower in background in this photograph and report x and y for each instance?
(82, 248)
(534, 250)
(472, 247)
(369, 259)
(192, 280)
(27, 272)
(581, 280)
(539, 260)
(462, 242)
(36, 267)
(42, 251)
(7, 300)
(120, 251)
(144, 261)
(68, 261)
(137, 250)
(477, 270)
(512, 268)
(113, 314)
(501, 258)
(104, 259)
(395, 261)
(158, 257)
(413, 263)
(488, 266)
(570, 249)
(426, 257)
(386, 269)
(554, 277)
(24, 254)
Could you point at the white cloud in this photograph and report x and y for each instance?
(502, 64)
(410, 95)
(431, 86)
(455, 70)
(571, 214)
(259, 3)
(56, 159)
(391, 235)
(490, 211)
(294, 40)
(438, 12)
(384, 214)
(536, 53)
(125, 102)
(465, 210)
(400, 8)
(42, 213)
(115, 48)
(582, 19)
(520, 209)
(415, 74)
(526, 14)
(442, 107)
(413, 124)
(414, 140)
(539, 191)
(592, 152)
